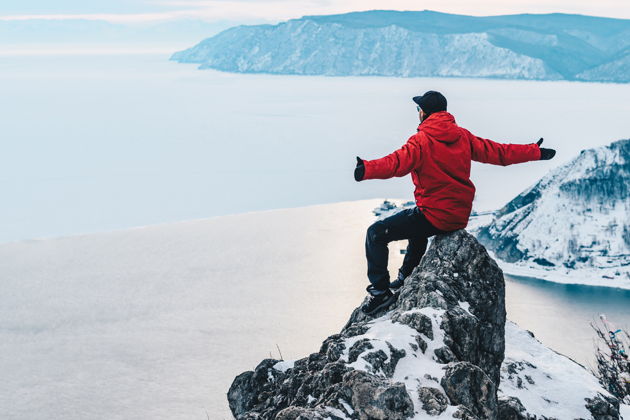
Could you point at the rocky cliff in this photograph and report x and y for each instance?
(438, 352)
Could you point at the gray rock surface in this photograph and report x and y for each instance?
(466, 384)
(510, 408)
(603, 407)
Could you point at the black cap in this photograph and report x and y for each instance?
(431, 102)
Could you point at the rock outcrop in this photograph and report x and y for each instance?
(437, 351)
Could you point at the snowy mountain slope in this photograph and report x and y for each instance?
(573, 225)
(546, 383)
(296, 48)
(427, 43)
(608, 71)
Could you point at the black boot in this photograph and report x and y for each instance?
(377, 302)
(398, 283)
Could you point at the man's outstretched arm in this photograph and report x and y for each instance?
(398, 163)
(488, 151)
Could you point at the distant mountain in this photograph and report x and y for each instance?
(574, 220)
(409, 44)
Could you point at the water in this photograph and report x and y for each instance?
(560, 314)
(99, 142)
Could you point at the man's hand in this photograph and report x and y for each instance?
(359, 171)
(545, 154)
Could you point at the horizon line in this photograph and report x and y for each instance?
(200, 15)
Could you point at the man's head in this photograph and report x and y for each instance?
(429, 103)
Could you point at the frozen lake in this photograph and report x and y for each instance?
(156, 322)
(99, 142)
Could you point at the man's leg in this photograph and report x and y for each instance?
(377, 253)
(406, 224)
(415, 250)
(379, 234)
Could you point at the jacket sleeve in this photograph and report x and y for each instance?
(488, 151)
(398, 163)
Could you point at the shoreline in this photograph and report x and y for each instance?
(587, 277)
(562, 278)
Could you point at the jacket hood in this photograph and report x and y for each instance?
(441, 126)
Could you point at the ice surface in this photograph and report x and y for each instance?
(156, 322)
(95, 143)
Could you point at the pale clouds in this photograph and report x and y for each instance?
(110, 17)
(277, 10)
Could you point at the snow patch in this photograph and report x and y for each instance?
(466, 306)
(337, 412)
(284, 365)
(416, 369)
(346, 407)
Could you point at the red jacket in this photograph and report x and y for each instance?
(438, 157)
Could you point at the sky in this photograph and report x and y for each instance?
(275, 10)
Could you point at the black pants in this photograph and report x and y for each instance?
(407, 224)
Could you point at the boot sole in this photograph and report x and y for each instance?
(383, 305)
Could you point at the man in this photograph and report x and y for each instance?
(438, 157)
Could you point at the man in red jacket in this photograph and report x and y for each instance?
(438, 156)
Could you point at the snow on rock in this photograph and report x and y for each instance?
(573, 225)
(441, 351)
(283, 366)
